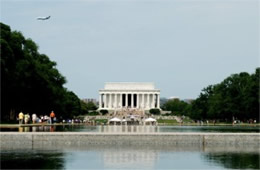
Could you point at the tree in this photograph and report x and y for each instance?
(237, 96)
(30, 81)
(176, 106)
(84, 109)
(103, 111)
(199, 107)
(91, 106)
(155, 111)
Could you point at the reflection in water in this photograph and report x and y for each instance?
(31, 160)
(127, 129)
(130, 158)
(133, 129)
(235, 160)
(126, 157)
(37, 129)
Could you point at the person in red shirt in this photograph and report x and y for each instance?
(52, 115)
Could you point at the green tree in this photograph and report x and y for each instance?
(176, 106)
(199, 107)
(155, 111)
(91, 106)
(237, 96)
(103, 111)
(84, 109)
(30, 81)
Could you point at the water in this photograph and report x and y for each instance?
(129, 157)
(133, 157)
(134, 129)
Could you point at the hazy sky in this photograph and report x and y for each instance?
(180, 45)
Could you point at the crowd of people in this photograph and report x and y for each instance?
(27, 118)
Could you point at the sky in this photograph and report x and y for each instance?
(181, 45)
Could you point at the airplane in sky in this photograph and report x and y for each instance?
(43, 18)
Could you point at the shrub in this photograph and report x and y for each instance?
(155, 111)
(93, 113)
(103, 112)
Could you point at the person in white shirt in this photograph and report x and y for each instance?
(34, 118)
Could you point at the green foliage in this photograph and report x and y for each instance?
(103, 111)
(168, 114)
(30, 81)
(91, 106)
(237, 97)
(88, 108)
(168, 121)
(155, 111)
(101, 121)
(176, 106)
(72, 105)
(94, 113)
(84, 109)
(186, 120)
(235, 160)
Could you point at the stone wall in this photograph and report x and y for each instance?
(33, 140)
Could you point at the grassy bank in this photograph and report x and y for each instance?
(104, 121)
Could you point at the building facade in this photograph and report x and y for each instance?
(129, 95)
(87, 100)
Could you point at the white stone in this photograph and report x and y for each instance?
(134, 95)
(129, 86)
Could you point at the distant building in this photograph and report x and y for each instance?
(163, 100)
(87, 100)
(132, 95)
(174, 97)
(189, 101)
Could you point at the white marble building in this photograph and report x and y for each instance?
(129, 95)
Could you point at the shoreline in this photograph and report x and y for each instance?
(159, 124)
(46, 140)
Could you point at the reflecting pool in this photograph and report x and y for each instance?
(133, 129)
(148, 157)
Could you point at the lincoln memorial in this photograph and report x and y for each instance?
(129, 95)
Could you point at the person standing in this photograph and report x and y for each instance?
(21, 118)
(52, 115)
(34, 118)
(42, 118)
(26, 118)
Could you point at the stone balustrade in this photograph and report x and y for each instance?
(38, 140)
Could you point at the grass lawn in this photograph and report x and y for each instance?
(170, 121)
(101, 121)
(188, 122)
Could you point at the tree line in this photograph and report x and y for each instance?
(236, 97)
(30, 81)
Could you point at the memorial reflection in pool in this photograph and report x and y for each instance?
(142, 157)
(132, 129)
(129, 156)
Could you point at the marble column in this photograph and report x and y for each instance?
(132, 100)
(110, 101)
(143, 100)
(137, 100)
(105, 100)
(153, 98)
(126, 100)
(115, 100)
(158, 101)
(120, 101)
(100, 100)
(148, 100)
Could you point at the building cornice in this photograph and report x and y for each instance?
(129, 91)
